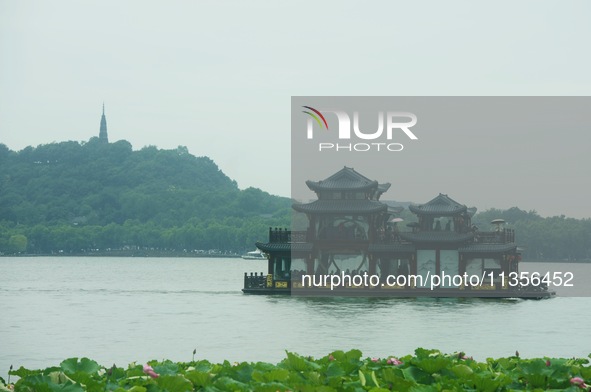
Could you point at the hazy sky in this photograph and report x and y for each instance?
(218, 76)
(530, 152)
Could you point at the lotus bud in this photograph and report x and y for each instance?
(150, 372)
(578, 381)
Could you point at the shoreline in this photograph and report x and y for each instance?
(129, 254)
(202, 255)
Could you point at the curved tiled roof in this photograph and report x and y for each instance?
(437, 236)
(341, 206)
(440, 205)
(346, 179)
(382, 188)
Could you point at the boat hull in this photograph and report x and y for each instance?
(402, 293)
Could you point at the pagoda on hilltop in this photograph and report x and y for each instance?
(103, 136)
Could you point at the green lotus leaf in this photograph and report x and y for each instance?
(174, 384)
(264, 366)
(241, 372)
(586, 373)
(488, 382)
(422, 353)
(270, 387)
(352, 386)
(535, 366)
(96, 385)
(135, 371)
(298, 363)
(71, 365)
(559, 382)
(259, 376)
(133, 381)
(313, 378)
(199, 379)
(79, 377)
(68, 388)
(39, 383)
(462, 370)
(166, 368)
(334, 369)
(114, 373)
(316, 388)
(433, 364)
(216, 368)
(52, 369)
(202, 366)
(413, 373)
(422, 388)
(59, 378)
(23, 372)
(349, 361)
(278, 375)
(353, 355)
(392, 374)
(536, 380)
(338, 355)
(137, 388)
(228, 384)
(295, 362)
(503, 363)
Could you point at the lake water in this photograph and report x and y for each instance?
(120, 310)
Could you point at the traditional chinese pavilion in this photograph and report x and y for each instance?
(352, 233)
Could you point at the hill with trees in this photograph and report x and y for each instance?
(73, 197)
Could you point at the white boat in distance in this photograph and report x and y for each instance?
(254, 255)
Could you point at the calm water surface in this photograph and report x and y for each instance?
(120, 310)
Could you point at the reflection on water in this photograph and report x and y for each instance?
(122, 310)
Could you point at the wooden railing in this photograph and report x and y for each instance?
(285, 236)
(254, 280)
(495, 237)
(393, 240)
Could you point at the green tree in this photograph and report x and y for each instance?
(17, 243)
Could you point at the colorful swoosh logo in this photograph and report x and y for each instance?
(315, 117)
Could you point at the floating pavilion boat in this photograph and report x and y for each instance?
(351, 240)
